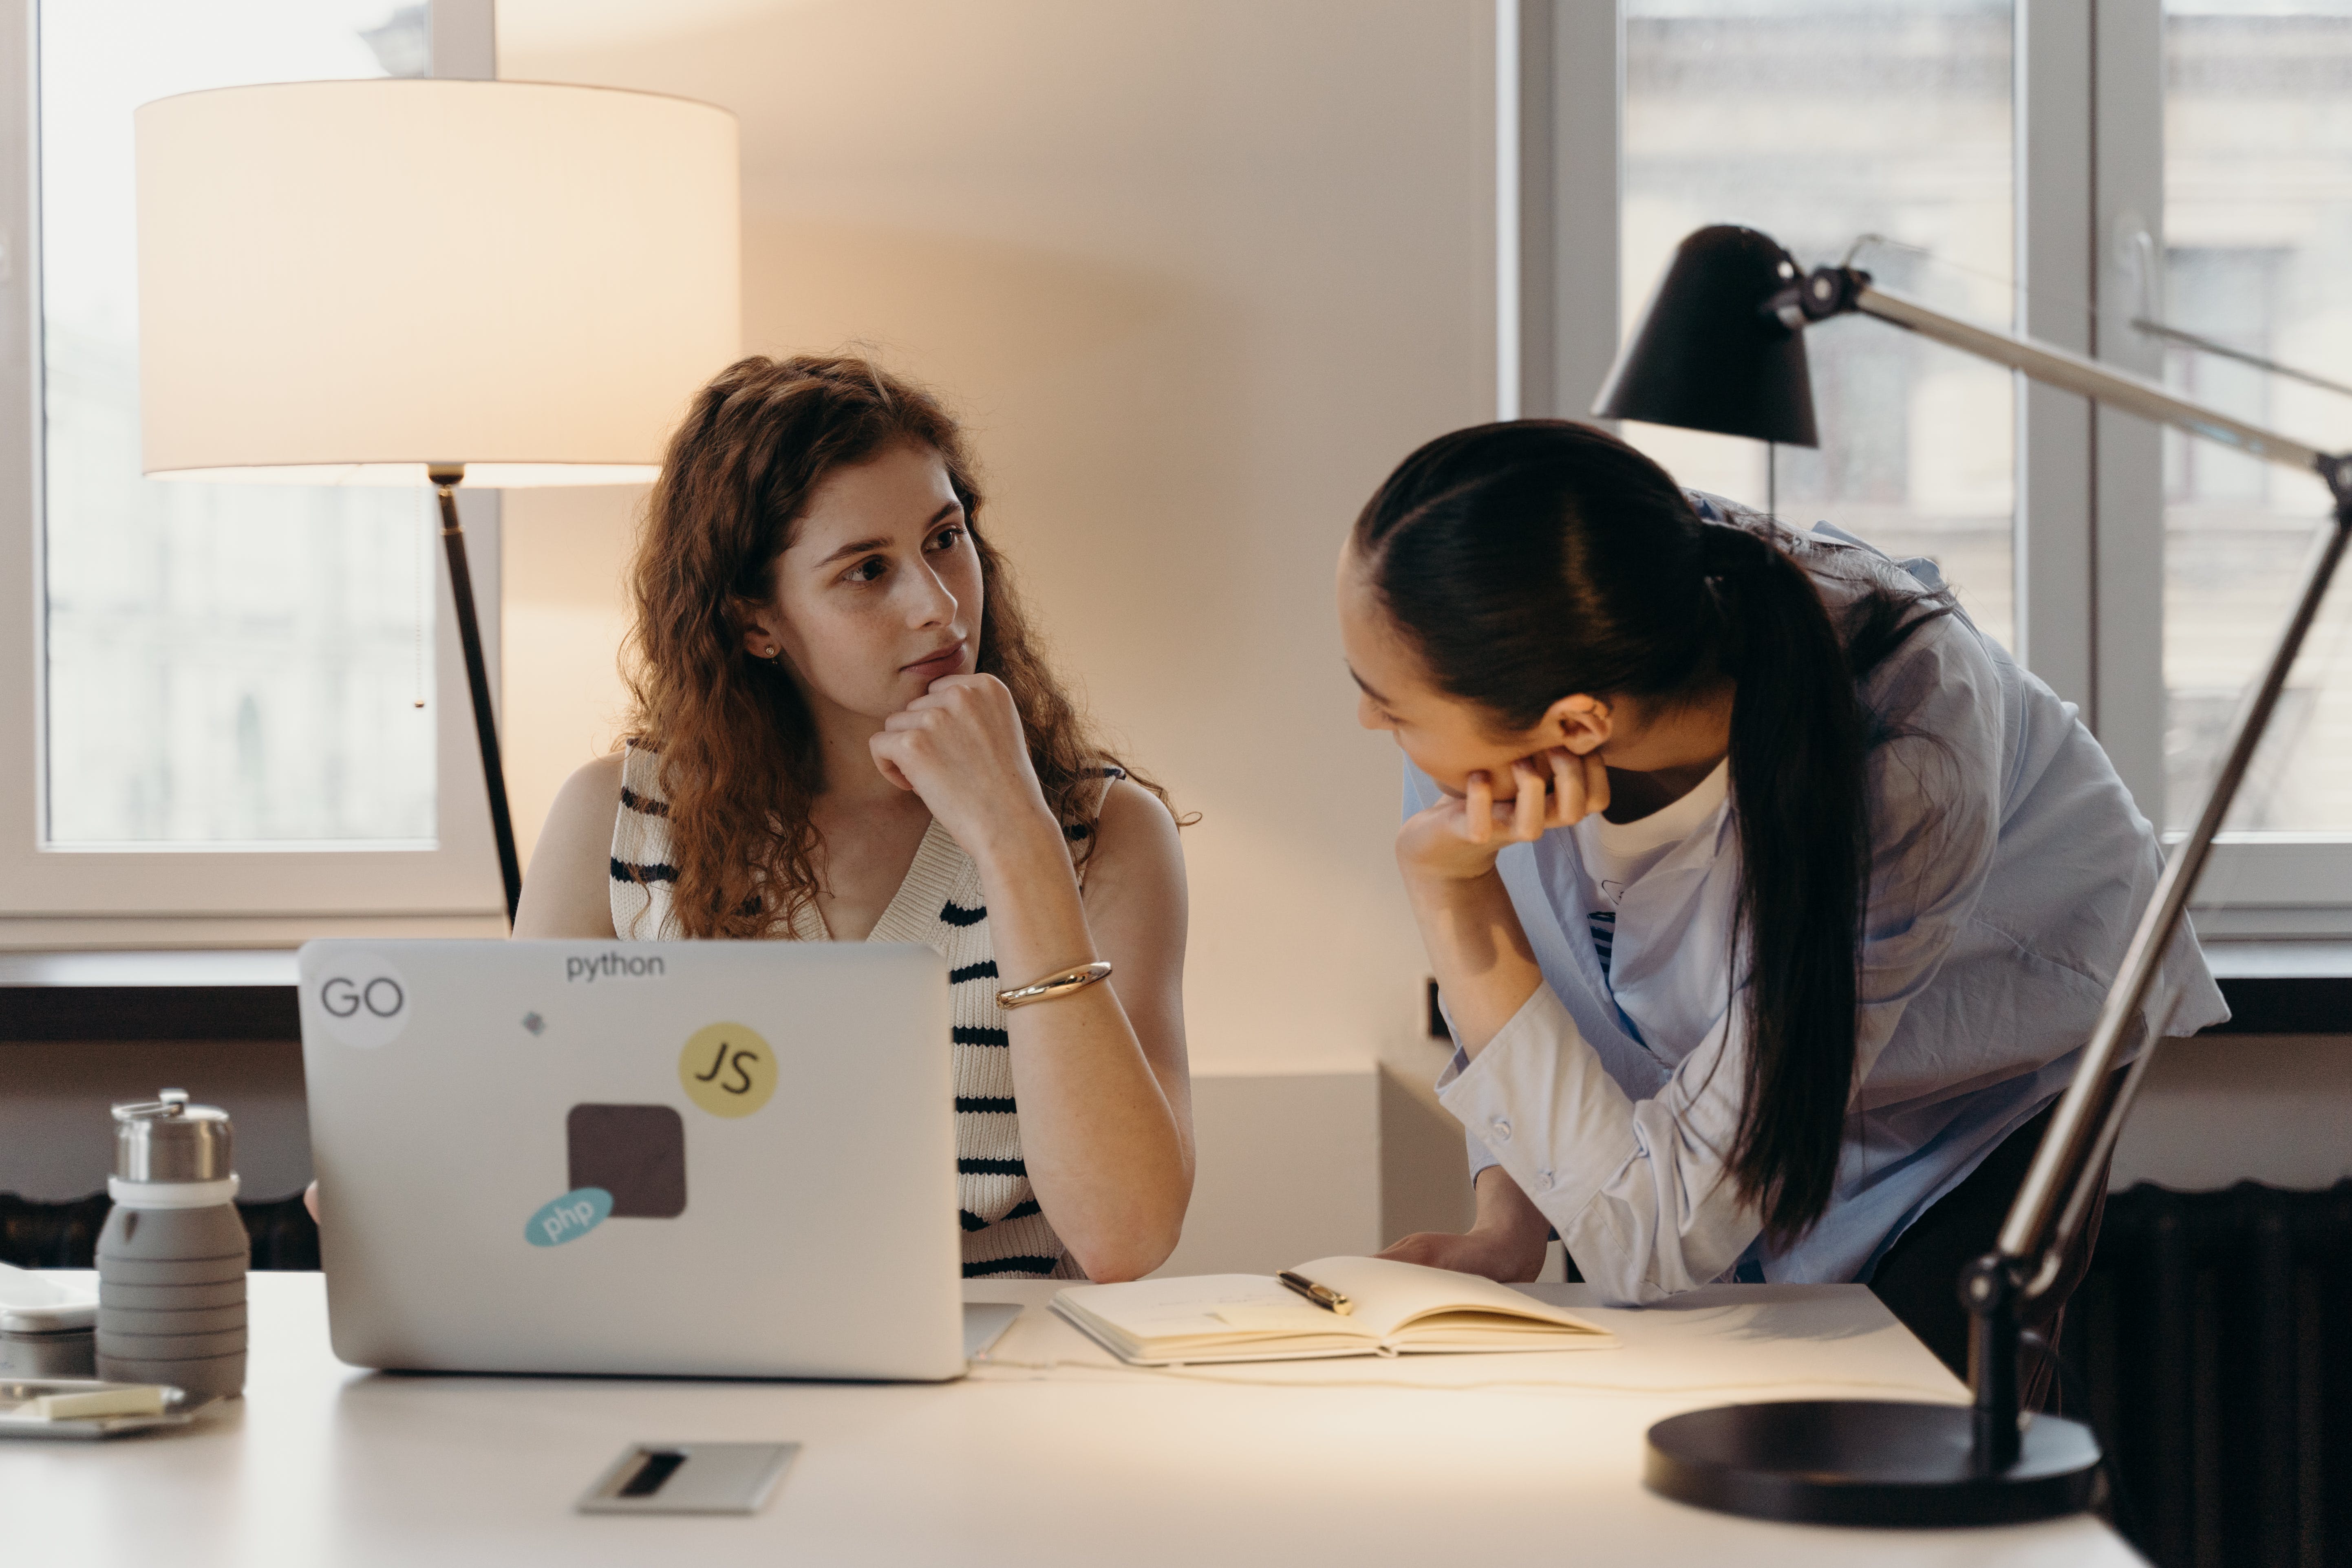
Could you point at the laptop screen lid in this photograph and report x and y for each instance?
(716, 1159)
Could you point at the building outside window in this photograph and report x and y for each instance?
(238, 713)
(2189, 163)
(223, 665)
(2258, 231)
(1820, 124)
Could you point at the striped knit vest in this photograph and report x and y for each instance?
(939, 904)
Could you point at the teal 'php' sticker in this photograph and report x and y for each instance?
(569, 1218)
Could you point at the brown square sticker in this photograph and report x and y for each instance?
(636, 1152)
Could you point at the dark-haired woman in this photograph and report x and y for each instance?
(1769, 901)
(842, 730)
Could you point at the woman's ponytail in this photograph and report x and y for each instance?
(1537, 559)
(1798, 741)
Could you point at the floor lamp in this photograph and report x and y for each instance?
(405, 283)
(1722, 348)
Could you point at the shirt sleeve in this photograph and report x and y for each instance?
(1419, 796)
(1638, 1189)
(1631, 1185)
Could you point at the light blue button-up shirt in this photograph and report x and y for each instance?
(2009, 865)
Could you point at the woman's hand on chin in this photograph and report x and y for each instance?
(1457, 839)
(960, 746)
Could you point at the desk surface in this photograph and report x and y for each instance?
(1050, 1452)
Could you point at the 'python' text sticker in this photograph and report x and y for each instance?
(727, 1070)
(569, 1218)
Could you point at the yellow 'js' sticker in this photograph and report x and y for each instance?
(727, 1070)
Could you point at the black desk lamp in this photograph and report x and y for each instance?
(1721, 349)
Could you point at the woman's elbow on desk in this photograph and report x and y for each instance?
(1125, 1247)
(1128, 1258)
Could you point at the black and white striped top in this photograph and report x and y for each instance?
(1005, 1235)
(1604, 936)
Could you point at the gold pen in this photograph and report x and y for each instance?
(1323, 1296)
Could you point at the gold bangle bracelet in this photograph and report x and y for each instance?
(1054, 986)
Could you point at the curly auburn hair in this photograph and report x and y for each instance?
(737, 747)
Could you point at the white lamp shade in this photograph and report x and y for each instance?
(346, 281)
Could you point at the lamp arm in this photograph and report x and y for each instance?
(2082, 1131)
(2073, 372)
(1866, 1462)
(2059, 1187)
(2070, 1165)
(2204, 345)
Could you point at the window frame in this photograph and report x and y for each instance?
(66, 897)
(2089, 140)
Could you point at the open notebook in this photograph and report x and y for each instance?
(1398, 1309)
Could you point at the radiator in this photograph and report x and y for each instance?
(2213, 1337)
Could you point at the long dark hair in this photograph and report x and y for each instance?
(1531, 560)
(738, 744)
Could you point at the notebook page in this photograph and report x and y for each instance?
(1208, 1305)
(1388, 1294)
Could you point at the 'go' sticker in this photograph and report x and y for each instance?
(569, 1218)
(364, 1002)
(727, 1070)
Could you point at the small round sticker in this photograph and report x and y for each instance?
(364, 999)
(727, 1070)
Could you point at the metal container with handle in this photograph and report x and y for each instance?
(173, 1257)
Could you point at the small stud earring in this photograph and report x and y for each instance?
(771, 653)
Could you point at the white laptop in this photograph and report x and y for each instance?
(701, 1159)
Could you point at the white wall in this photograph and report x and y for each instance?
(2241, 1108)
(1198, 276)
(1289, 1170)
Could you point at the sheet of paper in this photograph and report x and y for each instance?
(133, 1399)
(1160, 1309)
(1387, 1292)
(1293, 1317)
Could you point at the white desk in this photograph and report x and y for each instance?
(1062, 1456)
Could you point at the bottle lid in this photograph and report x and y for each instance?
(168, 1140)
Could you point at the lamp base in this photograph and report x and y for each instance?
(1840, 1462)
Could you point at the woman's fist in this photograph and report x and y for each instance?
(960, 746)
(1457, 839)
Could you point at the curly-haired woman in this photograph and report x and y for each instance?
(843, 731)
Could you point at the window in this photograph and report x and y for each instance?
(2065, 169)
(1819, 123)
(2258, 229)
(223, 664)
(240, 719)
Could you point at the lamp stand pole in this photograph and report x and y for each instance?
(446, 481)
(1889, 1463)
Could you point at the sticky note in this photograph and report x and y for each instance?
(131, 1399)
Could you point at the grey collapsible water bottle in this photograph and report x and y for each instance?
(171, 1258)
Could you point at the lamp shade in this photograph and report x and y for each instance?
(346, 281)
(1708, 356)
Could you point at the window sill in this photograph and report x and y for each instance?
(219, 996)
(2272, 988)
(2284, 987)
